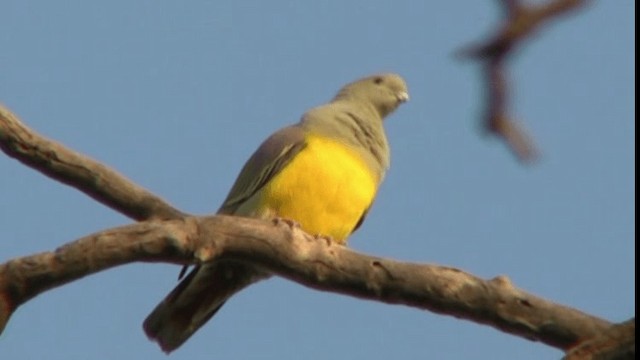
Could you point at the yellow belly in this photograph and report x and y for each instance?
(326, 188)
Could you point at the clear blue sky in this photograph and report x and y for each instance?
(177, 95)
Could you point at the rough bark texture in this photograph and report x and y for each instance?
(314, 262)
(617, 342)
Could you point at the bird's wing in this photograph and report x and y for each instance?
(265, 163)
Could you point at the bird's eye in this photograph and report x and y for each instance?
(377, 81)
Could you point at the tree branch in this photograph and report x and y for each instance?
(316, 263)
(171, 236)
(521, 21)
(617, 342)
(79, 171)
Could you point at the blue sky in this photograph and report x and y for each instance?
(177, 96)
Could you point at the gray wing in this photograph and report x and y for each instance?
(267, 161)
(271, 157)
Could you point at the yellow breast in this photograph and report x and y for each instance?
(326, 188)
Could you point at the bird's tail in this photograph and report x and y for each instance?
(195, 300)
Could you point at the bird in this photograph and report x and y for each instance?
(321, 173)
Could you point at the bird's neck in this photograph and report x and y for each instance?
(359, 126)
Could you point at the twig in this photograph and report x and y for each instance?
(521, 21)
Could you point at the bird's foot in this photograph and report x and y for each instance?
(328, 239)
(289, 222)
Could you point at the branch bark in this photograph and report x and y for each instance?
(617, 342)
(313, 262)
(91, 177)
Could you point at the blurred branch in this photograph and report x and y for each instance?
(314, 262)
(521, 21)
(79, 171)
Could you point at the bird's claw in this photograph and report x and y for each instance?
(289, 222)
(328, 239)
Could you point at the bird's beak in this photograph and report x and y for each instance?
(402, 96)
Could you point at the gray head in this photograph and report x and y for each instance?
(385, 92)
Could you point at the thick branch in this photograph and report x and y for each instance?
(313, 262)
(521, 21)
(79, 171)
